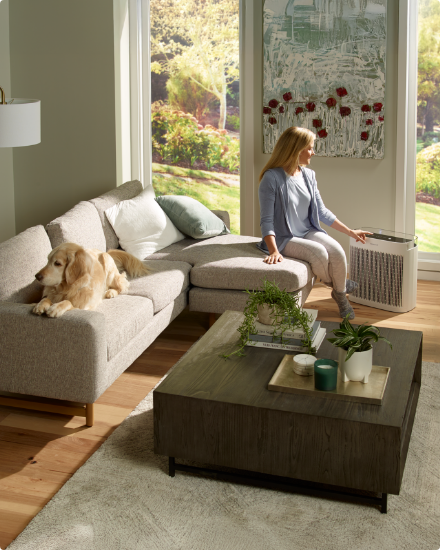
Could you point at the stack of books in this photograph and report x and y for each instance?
(292, 340)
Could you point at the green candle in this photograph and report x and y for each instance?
(326, 374)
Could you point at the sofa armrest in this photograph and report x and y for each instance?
(60, 358)
(224, 216)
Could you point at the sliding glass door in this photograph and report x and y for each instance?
(195, 117)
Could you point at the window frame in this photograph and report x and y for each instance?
(406, 142)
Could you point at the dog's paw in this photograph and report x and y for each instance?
(111, 293)
(55, 310)
(41, 308)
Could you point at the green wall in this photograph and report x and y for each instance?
(61, 52)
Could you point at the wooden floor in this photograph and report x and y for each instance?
(39, 452)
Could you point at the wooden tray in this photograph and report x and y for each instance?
(285, 380)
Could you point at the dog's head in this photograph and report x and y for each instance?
(67, 262)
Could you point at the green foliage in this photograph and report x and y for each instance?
(202, 34)
(178, 139)
(288, 315)
(428, 227)
(428, 91)
(234, 121)
(185, 94)
(428, 170)
(354, 339)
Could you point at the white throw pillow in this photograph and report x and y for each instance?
(141, 225)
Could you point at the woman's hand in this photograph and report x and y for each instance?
(273, 258)
(359, 235)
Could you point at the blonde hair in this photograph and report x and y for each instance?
(288, 148)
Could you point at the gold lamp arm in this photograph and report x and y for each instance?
(3, 97)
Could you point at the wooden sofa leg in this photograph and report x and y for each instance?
(90, 417)
(212, 319)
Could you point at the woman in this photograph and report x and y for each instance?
(291, 209)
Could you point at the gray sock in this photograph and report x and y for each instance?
(350, 286)
(343, 304)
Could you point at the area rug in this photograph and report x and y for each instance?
(123, 499)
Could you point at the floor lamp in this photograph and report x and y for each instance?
(20, 121)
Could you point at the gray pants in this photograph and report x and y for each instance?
(325, 256)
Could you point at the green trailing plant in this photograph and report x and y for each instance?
(354, 339)
(287, 315)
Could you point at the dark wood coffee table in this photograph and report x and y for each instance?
(220, 412)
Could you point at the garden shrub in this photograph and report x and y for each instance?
(429, 138)
(428, 171)
(177, 139)
(233, 121)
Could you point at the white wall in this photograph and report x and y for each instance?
(62, 52)
(361, 192)
(7, 211)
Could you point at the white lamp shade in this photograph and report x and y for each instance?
(20, 123)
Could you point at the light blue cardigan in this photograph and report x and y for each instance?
(274, 204)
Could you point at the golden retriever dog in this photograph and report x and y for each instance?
(80, 278)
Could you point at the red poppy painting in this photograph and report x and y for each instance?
(324, 67)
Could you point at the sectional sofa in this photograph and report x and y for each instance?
(76, 357)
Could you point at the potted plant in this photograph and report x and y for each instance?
(356, 349)
(284, 313)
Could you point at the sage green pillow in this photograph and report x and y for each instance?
(191, 216)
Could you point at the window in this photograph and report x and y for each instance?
(195, 115)
(428, 128)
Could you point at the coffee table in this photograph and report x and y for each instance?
(219, 412)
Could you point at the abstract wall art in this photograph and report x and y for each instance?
(324, 69)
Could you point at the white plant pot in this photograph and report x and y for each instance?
(266, 314)
(358, 367)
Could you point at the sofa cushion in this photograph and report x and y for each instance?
(163, 285)
(20, 258)
(124, 192)
(191, 216)
(80, 225)
(234, 262)
(224, 216)
(141, 225)
(125, 316)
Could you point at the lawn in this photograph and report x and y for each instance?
(428, 227)
(206, 187)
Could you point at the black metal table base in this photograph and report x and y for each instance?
(281, 483)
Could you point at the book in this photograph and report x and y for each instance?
(286, 339)
(316, 342)
(297, 333)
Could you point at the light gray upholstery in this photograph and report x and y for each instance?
(234, 262)
(164, 284)
(170, 252)
(46, 357)
(224, 216)
(20, 259)
(124, 192)
(80, 225)
(218, 301)
(125, 317)
(140, 342)
(62, 369)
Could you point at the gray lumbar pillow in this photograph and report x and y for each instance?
(191, 217)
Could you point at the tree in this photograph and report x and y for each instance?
(428, 93)
(201, 34)
(184, 93)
